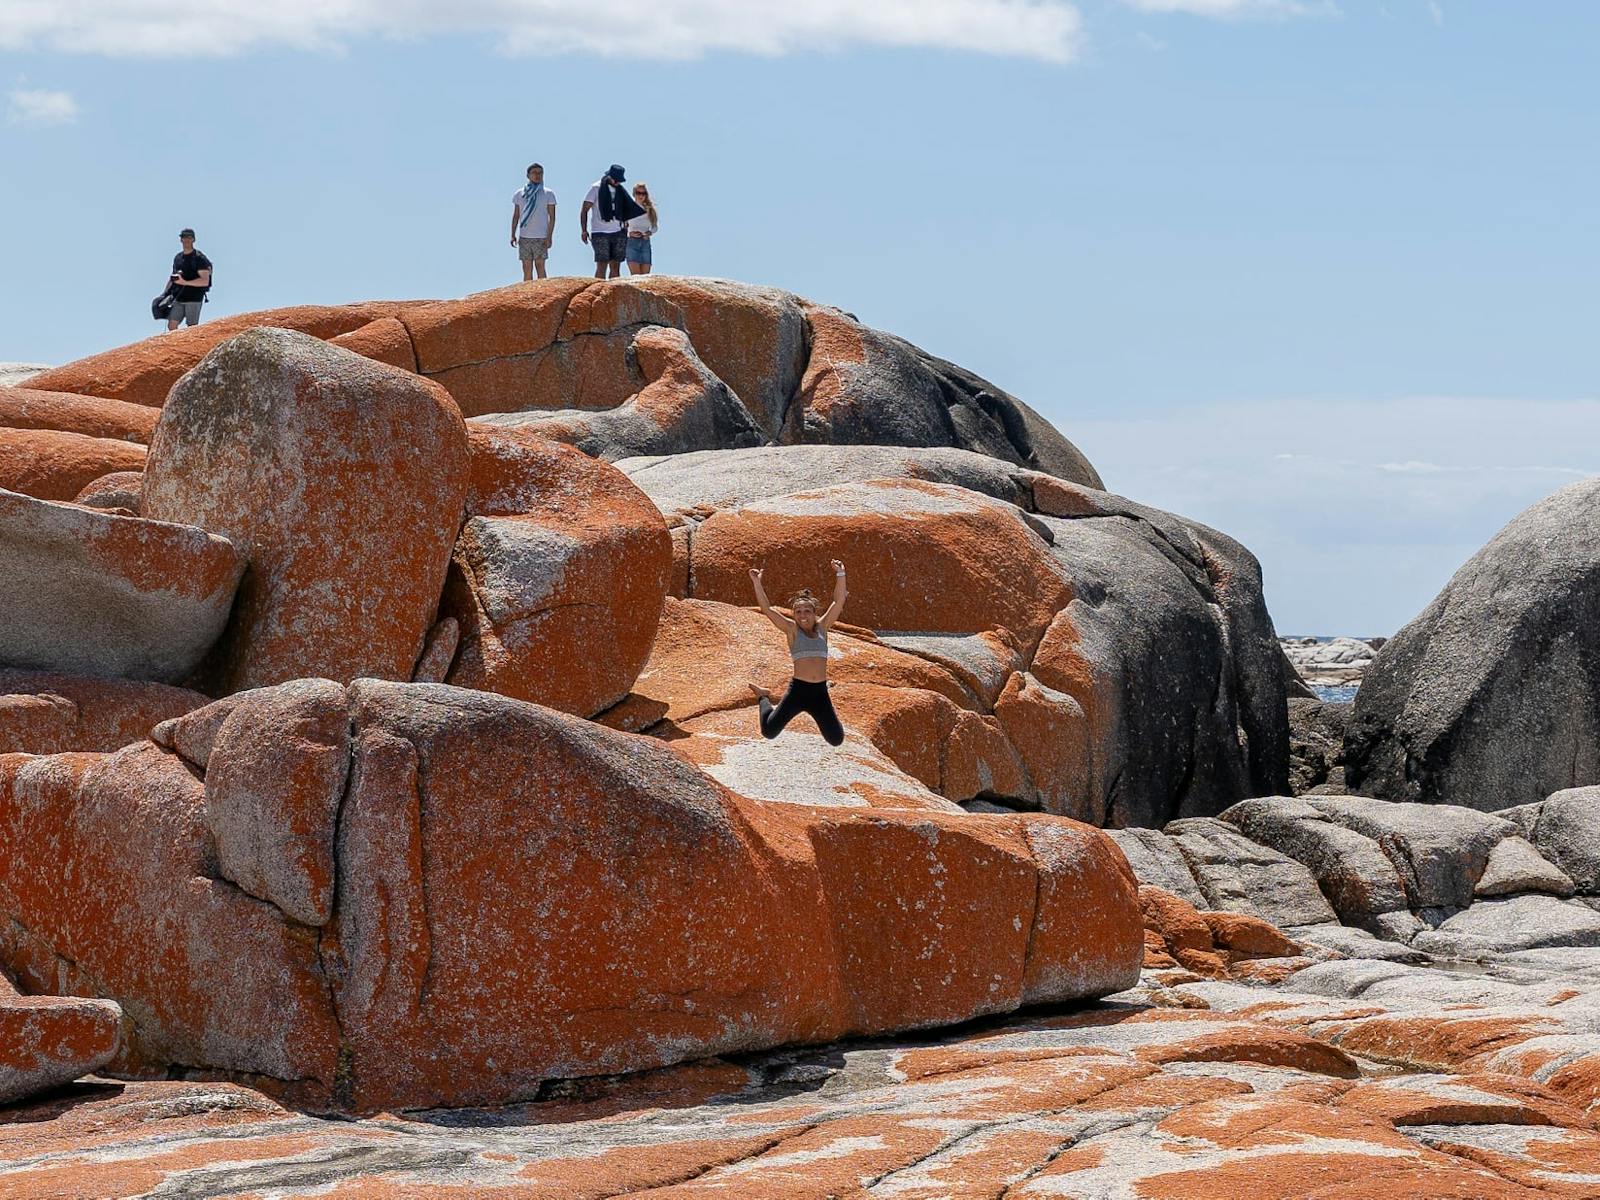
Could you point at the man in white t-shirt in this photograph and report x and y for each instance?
(602, 221)
(533, 218)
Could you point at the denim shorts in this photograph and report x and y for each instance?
(185, 312)
(638, 250)
(607, 246)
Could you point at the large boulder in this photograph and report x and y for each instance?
(1124, 656)
(341, 480)
(46, 712)
(557, 577)
(144, 371)
(92, 416)
(92, 593)
(923, 557)
(1491, 696)
(516, 895)
(46, 1041)
(56, 464)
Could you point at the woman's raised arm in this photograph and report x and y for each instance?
(784, 624)
(841, 593)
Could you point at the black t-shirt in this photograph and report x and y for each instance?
(189, 266)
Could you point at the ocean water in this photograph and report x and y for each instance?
(1341, 693)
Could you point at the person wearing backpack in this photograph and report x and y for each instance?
(191, 280)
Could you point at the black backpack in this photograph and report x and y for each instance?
(161, 306)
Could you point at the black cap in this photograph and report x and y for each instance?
(186, 233)
(614, 172)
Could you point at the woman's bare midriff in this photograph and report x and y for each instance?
(811, 670)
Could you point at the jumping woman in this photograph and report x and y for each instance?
(807, 635)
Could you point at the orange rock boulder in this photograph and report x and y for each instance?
(46, 1041)
(144, 371)
(923, 556)
(56, 464)
(517, 895)
(340, 479)
(92, 416)
(558, 575)
(43, 712)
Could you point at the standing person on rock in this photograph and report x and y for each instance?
(640, 230)
(533, 219)
(606, 211)
(807, 635)
(191, 280)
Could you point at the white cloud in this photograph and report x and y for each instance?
(1436, 11)
(40, 109)
(1039, 29)
(1236, 9)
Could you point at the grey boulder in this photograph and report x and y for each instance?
(93, 593)
(1490, 698)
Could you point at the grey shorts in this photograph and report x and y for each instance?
(609, 247)
(533, 249)
(185, 311)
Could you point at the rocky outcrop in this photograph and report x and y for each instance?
(92, 593)
(341, 481)
(640, 366)
(54, 464)
(43, 712)
(392, 892)
(1491, 696)
(46, 1041)
(403, 894)
(1440, 879)
(1117, 662)
(557, 578)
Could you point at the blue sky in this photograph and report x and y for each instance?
(1320, 274)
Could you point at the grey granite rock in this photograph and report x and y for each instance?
(1491, 696)
(1236, 874)
(1156, 860)
(1515, 866)
(1353, 872)
(1566, 829)
(1525, 922)
(93, 593)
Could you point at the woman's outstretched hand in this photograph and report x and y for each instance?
(838, 567)
(755, 575)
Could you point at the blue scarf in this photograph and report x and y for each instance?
(530, 198)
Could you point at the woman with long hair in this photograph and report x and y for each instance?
(807, 635)
(640, 230)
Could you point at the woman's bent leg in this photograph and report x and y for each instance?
(827, 720)
(774, 719)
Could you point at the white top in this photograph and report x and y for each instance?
(537, 223)
(596, 225)
(641, 224)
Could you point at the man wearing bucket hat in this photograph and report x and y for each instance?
(606, 211)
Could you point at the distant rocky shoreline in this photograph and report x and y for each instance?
(1331, 661)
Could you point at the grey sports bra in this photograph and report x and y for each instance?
(808, 645)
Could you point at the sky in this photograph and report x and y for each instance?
(1320, 274)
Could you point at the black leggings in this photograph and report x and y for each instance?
(802, 697)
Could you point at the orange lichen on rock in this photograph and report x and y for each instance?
(558, 576)
(340, 479)
(53, 464)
